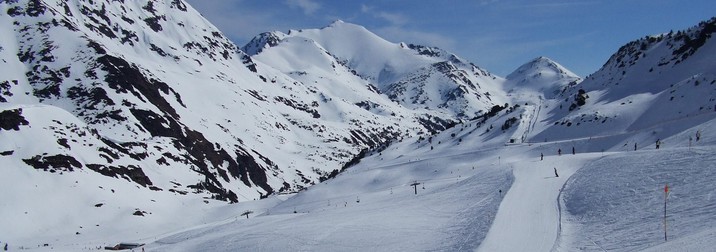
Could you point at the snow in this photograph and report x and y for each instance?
(599, 201)
(529, 210)
(389, 215)
(437, 83)
(480, 185)
(621, 207)
(541, 75)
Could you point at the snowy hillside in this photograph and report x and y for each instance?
(150, 81)
(525, 178)
(474, 193)
(151, 96)
(654, 80)
(138, 121)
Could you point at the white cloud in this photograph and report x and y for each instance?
(486, 2)
(394, 30)
(308, 6)
(395, 19)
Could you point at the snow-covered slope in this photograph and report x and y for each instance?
(654, 80)
(414, 76)
(151, 96)
(476, 193)
(123, 70)
(161, 86)
(122, 120)
(607, 195)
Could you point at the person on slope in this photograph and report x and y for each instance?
(698, 135)
(559, 152)
(555, 173)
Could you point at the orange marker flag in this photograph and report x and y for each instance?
(666, 188)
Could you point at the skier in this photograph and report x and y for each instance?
(559, 152)
(698, 135)
(555, 173)
(634, 146)
(658, 143)
(541, 156)
(573, 152)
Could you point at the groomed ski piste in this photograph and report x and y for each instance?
(475, 192)
(478, 193)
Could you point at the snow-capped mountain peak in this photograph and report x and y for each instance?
(263, 41)
(542, 74)
(337, 22)
(415, 76)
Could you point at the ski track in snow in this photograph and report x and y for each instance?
(528, 210)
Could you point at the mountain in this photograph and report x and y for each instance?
(139, 120)
(541, 75)
(578, 171)
(128, 78)
(151, 93)
(121, 111)
(656, 80)
(413, 76)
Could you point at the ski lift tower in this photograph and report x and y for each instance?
(415, 186)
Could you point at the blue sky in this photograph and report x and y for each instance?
(498, 35)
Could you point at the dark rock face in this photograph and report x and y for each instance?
(12, 119)
(57, 162)
(258, 43)
(691, 44)
(131, 173)
(5, 88)
(125, 78)
(436, 124)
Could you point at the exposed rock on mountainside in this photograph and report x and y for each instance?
(137, 89)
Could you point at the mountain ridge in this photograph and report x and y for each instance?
(149, 80)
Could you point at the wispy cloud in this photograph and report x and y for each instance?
(395, 19)
(486, 2)
(308, 6)
(395, 29)
(551, 5)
